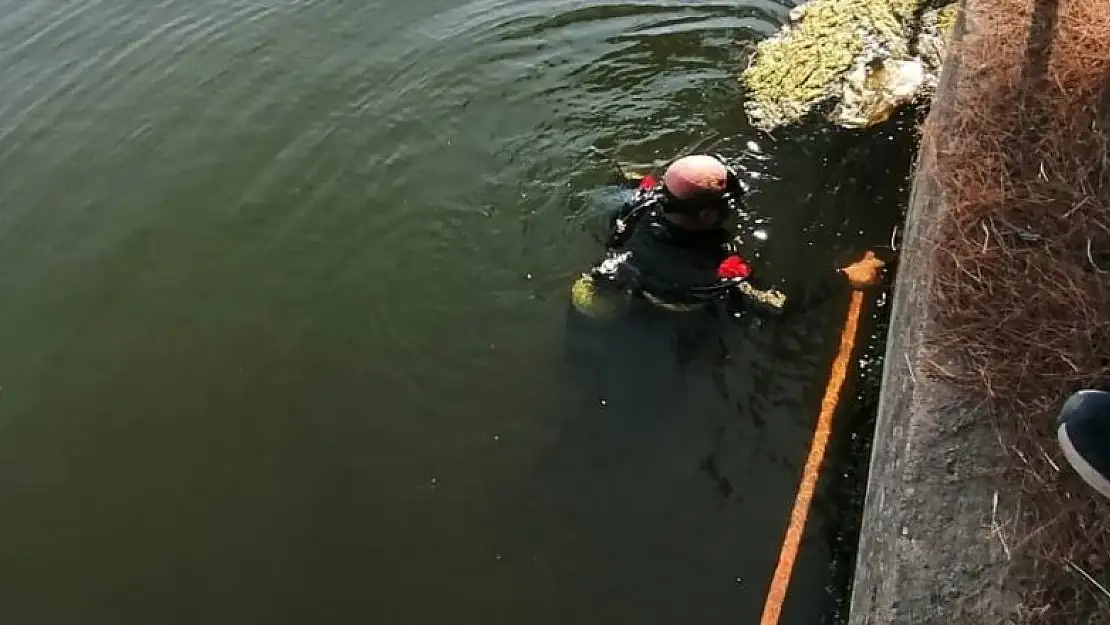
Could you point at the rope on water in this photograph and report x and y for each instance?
(780, 583)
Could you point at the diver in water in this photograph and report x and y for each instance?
(669, 249)
(646, 342)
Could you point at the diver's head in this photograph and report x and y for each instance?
(696, 192)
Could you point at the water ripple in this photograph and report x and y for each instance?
(435, 168)
(330, 241)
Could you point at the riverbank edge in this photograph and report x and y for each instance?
(927, 553)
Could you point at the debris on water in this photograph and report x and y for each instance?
(496, 438)
(868, 57)
(760, 234)
(497, 556)
(433, 482)
(604, 402)
(738, 580)
(754, 147)
(527, 276)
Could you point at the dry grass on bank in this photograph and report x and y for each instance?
(1023, 281)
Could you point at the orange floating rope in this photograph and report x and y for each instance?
(776, 596)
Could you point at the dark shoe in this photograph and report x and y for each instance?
(1084, 433)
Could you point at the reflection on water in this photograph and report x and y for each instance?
(283, 316)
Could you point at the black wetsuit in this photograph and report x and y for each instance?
(675, 300)
(676, 269)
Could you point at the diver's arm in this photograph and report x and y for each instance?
(858, 275)
(753, 294)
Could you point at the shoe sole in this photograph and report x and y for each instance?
(1092, 477)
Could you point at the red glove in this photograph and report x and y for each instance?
(733, 267)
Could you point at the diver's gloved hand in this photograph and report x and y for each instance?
(864, 273)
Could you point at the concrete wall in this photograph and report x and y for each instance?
(928, 552)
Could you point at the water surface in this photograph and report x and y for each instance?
(282, 317)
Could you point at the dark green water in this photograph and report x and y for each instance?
(282, 293)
